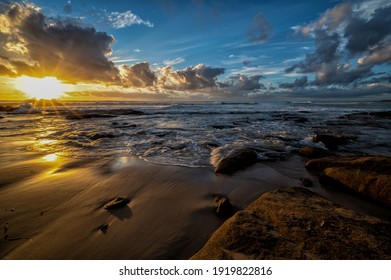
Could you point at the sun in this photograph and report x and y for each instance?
(46, 88)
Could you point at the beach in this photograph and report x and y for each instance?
(54, 205)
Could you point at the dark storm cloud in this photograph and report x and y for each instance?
(137, 75)
(297, 83)
(291, 68)
(53, 48)
(261, 29)
(378, 80)
(363, 34)
(341, 34)
(325, 52)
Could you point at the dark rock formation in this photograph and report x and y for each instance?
(369, 176)
(100, 113)
(237, 160)
(306, 182)
(333, 141)
(296, 223)
(6, 108)
(96, 136)
(224, 208)
(312, 152)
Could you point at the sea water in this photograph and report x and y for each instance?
(195, 134)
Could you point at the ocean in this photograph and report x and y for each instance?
(194, 134)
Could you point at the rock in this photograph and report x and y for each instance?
(301, 120)
(103, 228)
(333, 141)
(306, 182)
(369, 184)
(110, 113)
(379, 164)
(96, 136)
(210, 145)
(224, 208)
(369, 176)
(312, 152)
(236, 160)
(81, 116)
(6, 108)
(221, 126)
(115, 203)
(296, 223)
(363, 115)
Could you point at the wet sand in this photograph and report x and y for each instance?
(54, 209)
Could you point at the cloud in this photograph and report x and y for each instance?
(377, 56)
(331, 19)
(121, 20)
(247, 83)
(240, 59)
(34, 45)
(190, 78)
(260, 31)
(363, 34)
(341, 34)
(174, 61)
(298, 83)
(137, 75)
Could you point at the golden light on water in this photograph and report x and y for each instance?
(50, 157)
(46, 88)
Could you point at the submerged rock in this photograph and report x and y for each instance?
(312, 152)
(369, 176)
(296, 223)
(236, 160)
(96, 136)
(333, 141)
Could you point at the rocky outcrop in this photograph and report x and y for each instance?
(296, 223)
(236, 160)
(96, 136)
(333, 141)
(312, 152)
(6, 108)
(369, 176)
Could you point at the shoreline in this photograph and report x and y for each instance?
(57, 213)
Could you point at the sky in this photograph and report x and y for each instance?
(195, 50)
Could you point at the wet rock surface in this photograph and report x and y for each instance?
(296, 223)
(237, 160)
(369, 176)
(312, 152)
(332, 141)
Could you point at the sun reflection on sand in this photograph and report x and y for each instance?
(50, 157)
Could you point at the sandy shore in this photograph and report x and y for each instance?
(54, 208)
(54, 205)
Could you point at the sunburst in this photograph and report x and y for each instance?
(46, 88)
